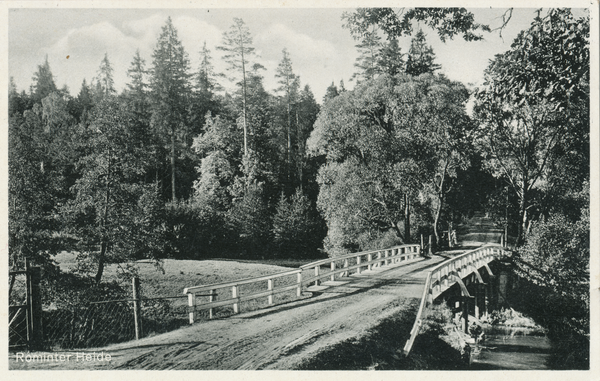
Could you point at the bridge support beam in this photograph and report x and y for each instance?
(465, 311)
(464, 300)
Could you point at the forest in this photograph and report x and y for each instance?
(176, 167)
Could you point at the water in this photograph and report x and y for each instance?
(512, 348)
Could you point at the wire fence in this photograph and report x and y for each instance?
(98, 324)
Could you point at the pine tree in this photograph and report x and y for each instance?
(170, 91)
(85, 103)
(420, 56)
(368, 59)
(205, 85)
(296, 227)
(137, 87)
(105, 84)
(43, 82)
(391, 58)
(288, 87)
(237, 45)
(207, 78)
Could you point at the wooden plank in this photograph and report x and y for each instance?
(197, 289)
(329, 273)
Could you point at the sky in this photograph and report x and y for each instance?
(321, 50)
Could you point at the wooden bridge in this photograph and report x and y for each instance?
(463, 270)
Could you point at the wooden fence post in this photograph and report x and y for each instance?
(430, 245)
(35, 308)
(299, 289)
(136, 308)
(332, 269)
(270, 288)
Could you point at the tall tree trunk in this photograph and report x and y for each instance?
(104, 244)
(301, 151)
(437, 220)
(438, 211)
(244, 98)
(101, 261)
(173, 196)
(289, 147)
(522, 214)
(406, 219)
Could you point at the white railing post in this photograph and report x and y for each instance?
(369, 259)
(445, 268)
(317, 274)
(299, 289)
(234, 294)
(359, 269)
(332, 269)
(346, 266)
(270, 288)
(386, 255)
(192, 307)
(211, 299)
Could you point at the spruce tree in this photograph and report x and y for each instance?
(105, 83)
(369, 52)
(169, 92)
(137, 87)
(289, 84)
(391, 58)
(420, 56)
(43, 82)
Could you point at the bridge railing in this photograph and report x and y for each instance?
(205, 297)
(444, 275)
(357, 262)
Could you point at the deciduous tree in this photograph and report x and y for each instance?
(535, 104)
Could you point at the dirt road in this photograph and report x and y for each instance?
(281, 337)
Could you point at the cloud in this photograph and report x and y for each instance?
(317, 62)
(86, 46)
(77, 55)
(193, 33)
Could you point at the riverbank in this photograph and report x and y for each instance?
(381, 348)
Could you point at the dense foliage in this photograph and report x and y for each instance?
(162, 170)
(392, 145)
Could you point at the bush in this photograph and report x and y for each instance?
(195, 231)
(554, 264)
(298, 230)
